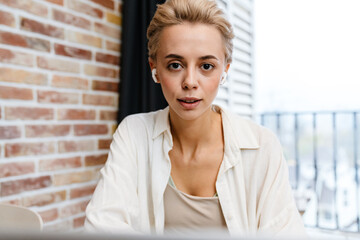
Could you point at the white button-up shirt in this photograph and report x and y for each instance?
(252, 183)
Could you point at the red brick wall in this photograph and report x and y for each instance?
(59, 75)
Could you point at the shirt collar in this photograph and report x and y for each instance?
(237, 130)
(162, 123)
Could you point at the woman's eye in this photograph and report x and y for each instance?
(174, 66)
(207, 66)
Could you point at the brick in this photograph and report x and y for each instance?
(21, 76)
(82, 191)
(76, 114)
(107, 30)
(104, 144)
(29, 149)
(76, 146)
(84, 39)
(113, 18)
(72, 52)
(105, 3)
(90, 129)
(58, 2)
(22, 185)
(9, 132)
(27, 5)
(57, 97)
(79, 222)
(70, 82)
(95, 160)
(8, 56)
(28, 113)
(85, 8)
(35, 131)
(113, 46)
(49, 215)
(41, 28)
(93, 70)
(60, 164)
(15, 93)
(58, 65)
(74, 177)
(71, 19)
(105, 86)
(16, 169)
(44, 199)
(24, 41)
(7, 19)
(73, 209)
(108, 115)
(98, 100)
(107, 58)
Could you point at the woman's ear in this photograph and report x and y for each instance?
(151, 63)
(153, 70)
(227, 68)
(224, 74)
(153, 73)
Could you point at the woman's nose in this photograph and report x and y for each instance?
(190, 80)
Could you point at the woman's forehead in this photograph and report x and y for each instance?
(191, 39)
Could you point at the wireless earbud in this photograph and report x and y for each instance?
(223, 78)
(153, 73)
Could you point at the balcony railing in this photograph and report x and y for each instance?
(322, 150)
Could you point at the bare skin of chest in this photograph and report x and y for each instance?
(196, 174)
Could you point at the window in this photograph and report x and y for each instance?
(237, 94)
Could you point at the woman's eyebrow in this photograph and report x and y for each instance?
(174, 56)
(202, 58)
(209, 57)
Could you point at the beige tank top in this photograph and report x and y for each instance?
(187, 213)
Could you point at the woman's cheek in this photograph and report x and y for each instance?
(213, 84)
(168, 88)
(172, 82)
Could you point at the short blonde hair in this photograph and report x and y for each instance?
(174, 12)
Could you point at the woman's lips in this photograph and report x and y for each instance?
(189, 103)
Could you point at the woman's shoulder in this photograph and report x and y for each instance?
(148, 118)
(141, 123)
(262, 147)
(245, 126)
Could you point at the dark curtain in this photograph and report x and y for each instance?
(138, 93)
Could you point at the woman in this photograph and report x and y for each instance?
(192, 165)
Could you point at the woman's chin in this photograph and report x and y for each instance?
(189, 114)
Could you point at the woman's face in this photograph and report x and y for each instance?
(190, 62)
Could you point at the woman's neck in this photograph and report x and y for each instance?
(191, 135)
